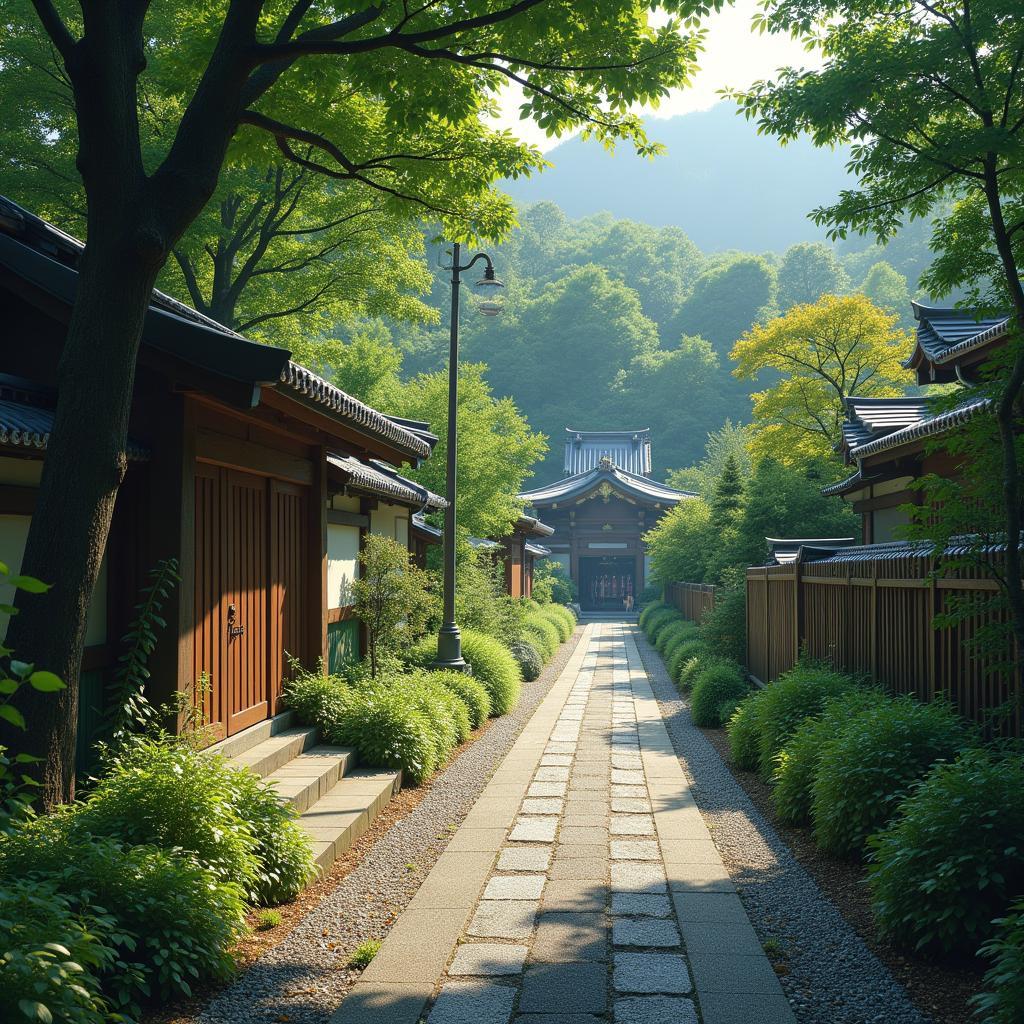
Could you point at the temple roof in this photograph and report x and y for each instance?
(869, 418)
(628, 449)
(944, 335)
(786, 550)
(642, 488)
(384, 481)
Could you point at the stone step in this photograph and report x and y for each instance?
(276, 752)
(255, 734)
(312, 774)
(345, 812)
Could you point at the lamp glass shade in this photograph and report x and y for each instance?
(488, 295)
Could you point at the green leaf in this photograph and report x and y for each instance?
(29, 584)
(12, 715)
(9, 686)
(46, 682)
(35, 1011)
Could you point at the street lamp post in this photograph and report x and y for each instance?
(449, 639)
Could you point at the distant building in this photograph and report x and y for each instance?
(600, 511)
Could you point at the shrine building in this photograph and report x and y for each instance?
(600, 509)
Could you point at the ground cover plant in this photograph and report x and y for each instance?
(744, 737)
(867, 769)
(952, 859)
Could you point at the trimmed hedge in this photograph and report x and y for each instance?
(560, 622)
(796, 765)
(674, 634)
(743, 734)
(693, 655)
(712, 688)
(953, 858)
(471, 692)
(661, 621)
(647, 611)
(494, 666)
(870, 765)
(543, 634)
(531, 664)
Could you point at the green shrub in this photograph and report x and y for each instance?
(650, 609)
(50, 956)
(284, 852)
(1003, 1000)
(651, 594)
(442, 705)
(782, 705)
(743, 734)
(691, 655)
(867, 768)
(528, 658)
(724, 629)
(712, 687)
(312, 695)
(674, 636)
(471, 692)
(677, 655)
(559, 621)
(796, 765)
(567, 615)
(169, 795)
(494, 666)
(660, 622)
(175, 921)
(953, 858)
(543, 634)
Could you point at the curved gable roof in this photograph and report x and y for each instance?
(944, 335)
(634, 485)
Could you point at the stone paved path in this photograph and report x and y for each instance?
(582, 887)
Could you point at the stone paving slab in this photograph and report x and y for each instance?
(583, 887)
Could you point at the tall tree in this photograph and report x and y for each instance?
(929, 95)
(824, 353)
(387, 95)
(730, 441)
(887, 288)
(728, 494)
(808, 271)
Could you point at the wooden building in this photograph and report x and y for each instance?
(600, 509)
(521, 550)
(259, 476)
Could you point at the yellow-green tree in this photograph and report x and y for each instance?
(822, 353)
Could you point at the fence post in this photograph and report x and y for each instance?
(798, 610)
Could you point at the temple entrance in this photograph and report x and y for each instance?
(605, 582)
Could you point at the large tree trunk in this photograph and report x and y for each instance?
(85, 463)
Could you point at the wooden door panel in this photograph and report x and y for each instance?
(289, 561)
(208, 633)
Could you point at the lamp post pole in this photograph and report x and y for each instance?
(449, 638)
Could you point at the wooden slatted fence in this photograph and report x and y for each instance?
(694, 600)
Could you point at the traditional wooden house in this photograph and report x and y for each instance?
(599, 512)
(257, 475)
(521, 550)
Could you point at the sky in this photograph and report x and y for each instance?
(733, 56)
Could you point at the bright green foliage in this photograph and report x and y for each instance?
(542, 633)
(566, 614)
(1002, 1002)
(729, 441)
(808, 271)
(496, 447)
(724, 629)
(887, 288)
(471, 692)
(551, 584)
(563, 624)
(390, 597)
(713, 687)
(727, 499)
(496, 669)
(796, 765)
(648, 610)
(673, 637)
(680, 652)
(693, 656)
(870, 765)
(659, 621)
(783, 704)
(953, 858)
(51, 956)
(283, 850)
(174, 920)
(678, 544)
(362, 956)
(744, 734)
(435, 698)
(528, 658)
(176, 798)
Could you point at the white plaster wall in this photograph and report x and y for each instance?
(391, 521)
(13, 534)
(342, 563)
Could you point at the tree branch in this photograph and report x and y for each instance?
(55, 27)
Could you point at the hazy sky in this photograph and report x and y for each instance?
(733, 56)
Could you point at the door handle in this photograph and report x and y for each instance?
(234, 630)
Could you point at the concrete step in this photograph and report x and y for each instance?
(255, 734)
(275, 752)
(310, 776)
(345, 812)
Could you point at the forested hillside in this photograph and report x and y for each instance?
(614, 324)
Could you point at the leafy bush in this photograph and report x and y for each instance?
(159, 792)
(724, 629)
(528, 658)
(674, 636)
(743, 734)
(953, 858)
(51, 955)
(543, 634)
(782, 705)
(494, 666)
(660, 621)
(678, 654)
(868, 767)
(650, 609)
(312, 695)
(175, 920)
(796, 765)
(692, 656)
(284, 852)
(1003, 1002)
(712, 687)
(567, 615)
(651, 594)
(471, 692)
(563, 624)
(442, 705)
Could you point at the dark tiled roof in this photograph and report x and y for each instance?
(382, 479)
(786, 550)
(618, 479)
(960, 545)
(842, 486)
(26, 420)
(946, 334)
(420, 524)
(628, 449)
(928, 426)
(868, 418)
(533, 526)
(538, 550)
